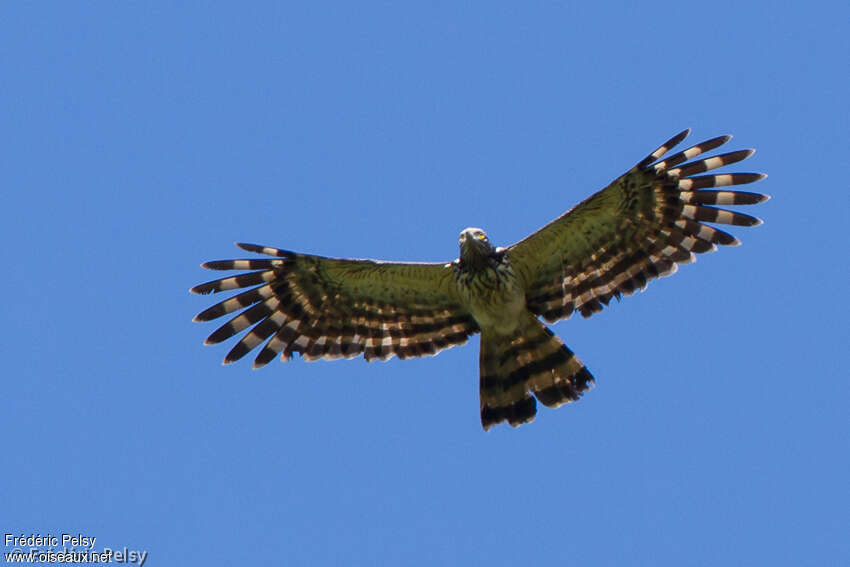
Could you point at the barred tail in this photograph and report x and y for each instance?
(533, 361)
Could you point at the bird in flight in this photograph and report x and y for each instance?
(640, 227)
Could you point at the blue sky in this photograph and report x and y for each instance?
(140, 139)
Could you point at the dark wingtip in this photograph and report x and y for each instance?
(677, 139)
(247, 246)
(202, 289)
(745, 178)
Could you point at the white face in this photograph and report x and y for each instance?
(472, 233)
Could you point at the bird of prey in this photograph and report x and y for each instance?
(639, 227)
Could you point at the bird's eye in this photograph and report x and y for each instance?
(480, 236)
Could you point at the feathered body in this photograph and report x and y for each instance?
(638, 228)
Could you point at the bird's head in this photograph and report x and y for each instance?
(474, 245)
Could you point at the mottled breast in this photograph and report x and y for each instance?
(493, 296)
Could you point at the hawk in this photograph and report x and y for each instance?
(640, 227)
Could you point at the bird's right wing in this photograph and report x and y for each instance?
(330, 308)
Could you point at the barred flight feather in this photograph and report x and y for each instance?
(645, 224)
(301, 305)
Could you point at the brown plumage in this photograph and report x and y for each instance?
(638, 228)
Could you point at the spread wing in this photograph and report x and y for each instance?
(638, 228)
(330, 308)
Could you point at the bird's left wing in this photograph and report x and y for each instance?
(330, 308)
(638, 228)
